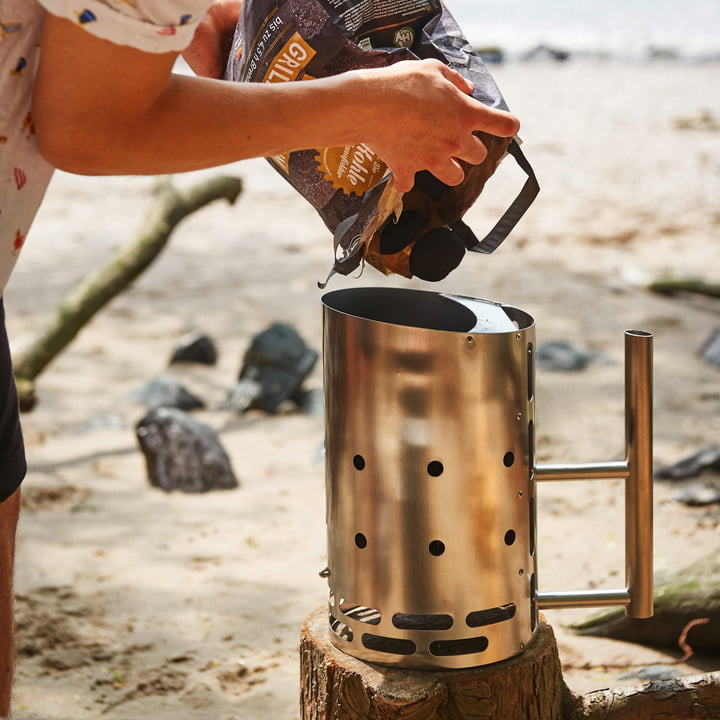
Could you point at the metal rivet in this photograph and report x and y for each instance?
(522, 646)
(521, 571)
(517, 337)
(470, 340)
(520, 493)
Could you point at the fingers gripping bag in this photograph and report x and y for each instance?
(419, 233)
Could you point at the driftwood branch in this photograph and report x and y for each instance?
(680, 598)
(685, 285)
(98, 288)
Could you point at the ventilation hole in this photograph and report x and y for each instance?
(435, 468)
(530, 372)
(436, 547)
(340, 629)
(360, 540)
(508, 459)
(532, 526)
(404, 621)
(491, 615)
(464, 646)
(362, 614)
(382, 644)
(531, 447)
(509, 537)
(533, 602)
(359, 462)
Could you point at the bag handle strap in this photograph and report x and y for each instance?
(517, 209)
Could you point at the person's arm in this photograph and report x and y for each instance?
(9, 510)
(102, 108)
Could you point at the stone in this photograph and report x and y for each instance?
(278, 361)
(166, 391)
(710, 349)
(195, 348)
(182, 453)
(692, 466)
(562, 356)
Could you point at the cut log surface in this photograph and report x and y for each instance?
(337, 686)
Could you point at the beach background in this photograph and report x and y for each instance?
(136, 603)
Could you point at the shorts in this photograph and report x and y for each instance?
(12, 451)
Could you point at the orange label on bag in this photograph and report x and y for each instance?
(290, 60)
(352, 169)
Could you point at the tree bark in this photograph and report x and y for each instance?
(530, 686)
(97, 289)
(689, 697)
(336, 686)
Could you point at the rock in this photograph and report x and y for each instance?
(311, 402)
(689, 467)
(166, 391)
(182, 453)
(710, 349)
(195, 348)
(278, 360)
(698, 495)
(241, 396)
(561, 355)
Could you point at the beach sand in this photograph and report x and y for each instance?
(136, 603)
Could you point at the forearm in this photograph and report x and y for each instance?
(197, 123)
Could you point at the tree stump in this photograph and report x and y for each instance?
(337, 686)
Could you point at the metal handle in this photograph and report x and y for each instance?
(637, 471)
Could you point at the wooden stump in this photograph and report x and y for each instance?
(336, 686)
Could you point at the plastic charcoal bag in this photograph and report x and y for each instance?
(420, 232)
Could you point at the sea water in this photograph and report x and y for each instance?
(620, 28)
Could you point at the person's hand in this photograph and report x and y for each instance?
(422, 117)
(208, 52)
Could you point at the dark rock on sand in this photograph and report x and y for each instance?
(166, 391)
(692, 466)
(182, 453)
(277, 362)
(195, 348)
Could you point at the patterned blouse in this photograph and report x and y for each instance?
(155, 26)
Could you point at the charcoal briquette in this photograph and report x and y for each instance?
(436, 254)
(429, 184)
(398, 235)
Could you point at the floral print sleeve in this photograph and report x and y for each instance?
(148, 25)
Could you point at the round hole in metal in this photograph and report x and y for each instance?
(510, 537)
(359, 462)
(360, 540)
(508, 459)
(435, 468)
(436, 547)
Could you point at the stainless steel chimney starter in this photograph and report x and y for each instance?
(431, 478)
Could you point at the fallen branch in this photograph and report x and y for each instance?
(697, 696)
(685, 285)
(97, 289)
(680, 600)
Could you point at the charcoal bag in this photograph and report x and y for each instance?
(419, 233)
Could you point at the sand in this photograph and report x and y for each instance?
(136, 603)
